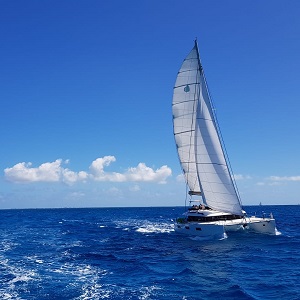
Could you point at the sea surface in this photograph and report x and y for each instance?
(134, 253)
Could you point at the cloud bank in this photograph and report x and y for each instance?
(56, 172)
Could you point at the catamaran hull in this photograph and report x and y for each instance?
(262, 225)
(217, 230)
(205, 230)
(259, 225)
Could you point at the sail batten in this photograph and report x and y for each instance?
(197, 139)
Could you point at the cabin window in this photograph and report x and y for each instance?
(187, 227)
(214, 218)
(198, 228)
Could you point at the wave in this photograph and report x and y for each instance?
(13, 277)
(97, 256)
(233, 292)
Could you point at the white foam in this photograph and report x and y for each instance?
(87, 277)
(21, 276)
(155, 228)
(6, 245)
(147, 291)
(207, 238)
(39, 261)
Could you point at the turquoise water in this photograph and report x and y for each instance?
(134, 253)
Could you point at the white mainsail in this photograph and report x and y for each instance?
(198, 143)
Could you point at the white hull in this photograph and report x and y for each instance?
(204, 230)
(259, 225)
(220, 227)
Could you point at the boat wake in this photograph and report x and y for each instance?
(156, 228)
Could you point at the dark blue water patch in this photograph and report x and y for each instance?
(232, 292)
(134, 253)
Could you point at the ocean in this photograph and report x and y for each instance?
(134, 253)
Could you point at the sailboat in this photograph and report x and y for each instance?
(215, 206)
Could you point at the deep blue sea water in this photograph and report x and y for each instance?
(134, 253)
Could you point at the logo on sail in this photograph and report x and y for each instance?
(186, 88)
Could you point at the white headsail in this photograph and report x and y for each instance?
(198, 142)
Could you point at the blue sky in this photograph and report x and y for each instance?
(86, 91)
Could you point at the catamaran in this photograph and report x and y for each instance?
(201, 150)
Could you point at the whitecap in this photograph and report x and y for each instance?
(39, 261)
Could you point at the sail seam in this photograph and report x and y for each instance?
(185, 71)
(187, 131)
(178, 86)
(189, 58)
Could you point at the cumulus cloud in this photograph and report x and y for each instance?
(144, 173)
(97, 166)
(56, 172)
(46, 172)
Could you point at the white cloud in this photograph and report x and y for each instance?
(180, 178)
(46, 172)
(144, 173)
(23, 172)
(241, 177)
(55, 172)
(97, 166)
(284, 178)
(135, 188)
(115, 192)
(76, 195)
(277, 180)
(69, 176)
